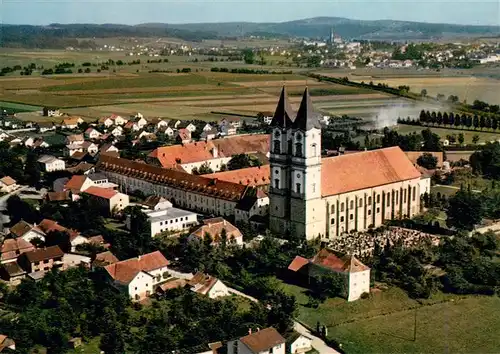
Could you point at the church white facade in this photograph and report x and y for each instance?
(313, 197)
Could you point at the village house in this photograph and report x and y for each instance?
(50, 112)
(209, 134)
(297, 343)
(74, 238)
(50, 163)
(183, 136)
(190, 192)
(187, 125)
(208, 127)
(90, 148)
(236, 122)
(139, 276)
(131, 125)
(44, 127)
(82, 168)
(12, 247)
(4, 136)
(140, 121)
(8, 184)
(227, 130)
(35, 142)
(75, 139)
(169, 220)
(117, 131)
(108, 148)
(106, 121)
(264, 341)
(7, 343)
(356, 275)
(155, 202)
(111, 200)
(78, 183)
(253, 208)
(103, 259)
(71, 260)
(42, 259)
(160, 124)
(216, 227)
(12, 273)
(26, 231)
(92, 133)
(207, 285)
(71, 122)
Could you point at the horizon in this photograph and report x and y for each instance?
(46, 12)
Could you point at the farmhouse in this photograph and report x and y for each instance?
(8, 184)
(92, 133)
(111, 200)
(313, 197)
(264, 341)
(26, 231)
(139, 276)
(71, 122)
(50, 112)
(44, 127)
(42, 259)
(207, 285)
(216, 228)
(12, 247)
(51, 163)
(356, 274)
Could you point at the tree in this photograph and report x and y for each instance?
(248, 56)
(427, 161)
(423, 116)
(242, 161)
(475, 139)
(439, 118)
(482, 122)
(431, 141)
(494, 123)
(465, 210)
(18, 210)
(446, 118)
(32, 169)
(475, 121)
(461, 138)
(423, 93)
(451, 119)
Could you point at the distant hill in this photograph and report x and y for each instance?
(59, 35)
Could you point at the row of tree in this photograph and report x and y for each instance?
(455, 120)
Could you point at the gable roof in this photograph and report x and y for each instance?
(47, 225)
(153, 200)
(214, 228)
(71, 121)
(75, 137)
(306, 117)
(284, 115)
(202, 283)
(105, 193)
(126, 270)
(21, 228)
(8, 181)
(367, 169)
(12, 247)
(43, 254)
(106, 258)
(297, 263)
(47, 159)
(76, 183)
(58, 196)
(262, 340)
(180, 180)
(328, 259)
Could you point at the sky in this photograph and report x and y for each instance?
(43, 12)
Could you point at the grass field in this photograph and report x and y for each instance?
(19, 107)
(385, 322)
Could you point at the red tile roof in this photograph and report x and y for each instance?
(21, 228)
(169, 156)
(180, 180)
(263, 340)
(8, 181)
(12, 247)
(347, 173)
(44, 253)
(214, 228)
(106, 258)
(251, 176)
(126, 270)
(104, 193)
(76, 182)
(47, 225)
(297, 263)
(202, 283)
(328, 259)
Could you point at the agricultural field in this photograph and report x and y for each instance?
(384, 323)
(484, 136)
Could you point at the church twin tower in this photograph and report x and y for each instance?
(296, 207)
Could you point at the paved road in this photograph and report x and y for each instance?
(317, 342)
(3, 199)
(455, 187)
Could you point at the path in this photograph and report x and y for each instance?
(455, 187)
(317, 342)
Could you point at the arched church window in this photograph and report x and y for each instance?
(388, 199)
(360, 202)
(414, 192)
(276, 183)
(277, 134)
(378, 198)
(342, 207)
(298, 187)
(313, 150)
(351, 205)
(298, 149)
(332, 209)
(369, 200)
(277, 147)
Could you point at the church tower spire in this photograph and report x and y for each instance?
(283, 115)
(307, 118)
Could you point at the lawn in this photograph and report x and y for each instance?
(90, 347)
(384, 322)
(469, 325)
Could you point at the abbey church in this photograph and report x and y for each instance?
(315, 197)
